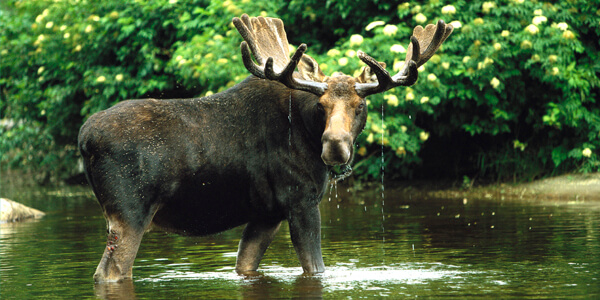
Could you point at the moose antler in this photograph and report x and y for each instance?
(431, 38)
(267, 40)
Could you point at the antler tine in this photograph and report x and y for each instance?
(264, 36)
(440, 35)
(286, 76)
(414, 59)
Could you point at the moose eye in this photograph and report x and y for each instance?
(360, 108)
(320, 107)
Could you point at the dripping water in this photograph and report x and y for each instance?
(382, 185)
(290, 120)
(290, 135)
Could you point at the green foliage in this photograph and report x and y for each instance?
(62, 61)
(518, 81)
(513, 92)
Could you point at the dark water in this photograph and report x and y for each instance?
(410, 247)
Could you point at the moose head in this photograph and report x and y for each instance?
(341, 98)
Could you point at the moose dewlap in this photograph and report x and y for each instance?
(257, 154)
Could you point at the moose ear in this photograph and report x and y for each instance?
(367, 75)
(309, 69)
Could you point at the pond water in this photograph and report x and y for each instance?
(409, 247)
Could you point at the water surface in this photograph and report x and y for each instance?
(409, 247)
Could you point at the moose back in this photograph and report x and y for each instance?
(257, 154)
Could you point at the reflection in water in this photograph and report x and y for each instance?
(430, 248)
(115, 290)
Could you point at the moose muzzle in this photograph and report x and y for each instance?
(337, 142)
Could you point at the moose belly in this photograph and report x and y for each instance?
(206, 208)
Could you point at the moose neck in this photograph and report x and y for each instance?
(290, 117)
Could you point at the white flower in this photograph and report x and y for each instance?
(505, 33)
(333, 52)
(431, 77)
(587, 152)
(495, 82)
(390, 30)
(424, 100)
(172, 1)
(356, 39)
(374, 24)
(448, 10)
(398, 65)
(532, 29)
(562, 26)
(67, 35)
(466, 59)
(39, 19)
(396, 48)
(446, 65)
(400, 151)
(350, 53)
(409, 96)
(94, 18)
(423, 136)
(77, 48)
(49, 24)
(568, 34)
(486, 7)
(392, 100)
(63, 28)
(537, 20)
(555, 71)
(420, 18)
(538, 12)
(343, 61)
(119, 77)
(41, 70)
(101, 79)
(456, 24)
(89, 28)
(497, 46)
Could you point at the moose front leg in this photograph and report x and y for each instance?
(255, 240)
(305, 230)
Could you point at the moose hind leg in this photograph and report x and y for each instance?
(255, 240)
(122, 244)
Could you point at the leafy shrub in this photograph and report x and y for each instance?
(513, 92)
(61, 62)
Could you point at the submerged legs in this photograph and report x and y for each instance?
(255, 240)
(305, 229)
(122, 245)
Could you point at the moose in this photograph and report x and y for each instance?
(258, 153)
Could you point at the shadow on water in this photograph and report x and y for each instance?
(429, 248)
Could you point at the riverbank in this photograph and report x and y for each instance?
(570, 187)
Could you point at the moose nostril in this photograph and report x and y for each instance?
(336, 148)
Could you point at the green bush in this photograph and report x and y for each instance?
(62, 62)
(513, 92)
